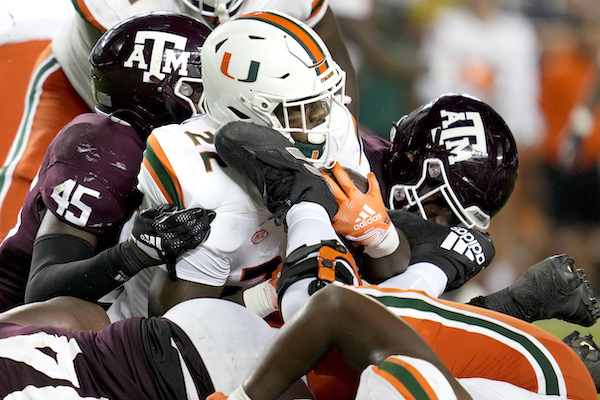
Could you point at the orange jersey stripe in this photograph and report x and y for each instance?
(316, 7)
(313, 48)
(422, 385)
(474, 342)
(50, 103)
(85, 13)
(163, 173)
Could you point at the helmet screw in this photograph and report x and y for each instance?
(186, 90)
(434, 171)
(399, 195)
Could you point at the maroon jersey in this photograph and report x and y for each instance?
(375, 149)
(87, 179)
(131, 359)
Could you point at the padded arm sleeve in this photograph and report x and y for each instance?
(75, 270)
(460, 252)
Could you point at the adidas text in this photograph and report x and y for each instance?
(367, 221)
(153, 241)
(464, 242)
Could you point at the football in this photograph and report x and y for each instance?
(359, 181)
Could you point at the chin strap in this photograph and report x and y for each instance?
(128, 117)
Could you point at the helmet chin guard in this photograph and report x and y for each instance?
(410, 196)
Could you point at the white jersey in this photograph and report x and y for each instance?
(181, 167)
(25, 20)
(72, 46)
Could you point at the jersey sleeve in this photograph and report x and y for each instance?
(157, 179)
(352, 155)
(173, 171)
(88, 176)
(104, 14)
(460, 252)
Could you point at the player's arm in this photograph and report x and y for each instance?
(159, 235)
(363, 220)
(166, 292)
(455, 254)
(329, 320)
(62, 312)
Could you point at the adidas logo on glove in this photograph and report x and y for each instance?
(366, 217)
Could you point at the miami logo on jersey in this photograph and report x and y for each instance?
(462, 133)
(167, 54)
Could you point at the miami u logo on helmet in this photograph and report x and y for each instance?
(252, 70)
(306, 48)
(160, 52)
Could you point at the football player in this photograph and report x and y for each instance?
(282, 76)
(405, 345)
(444, 248)
(86, 186)
(61, 85)
(451, 166)
(199, 346)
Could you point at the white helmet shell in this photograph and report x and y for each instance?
(260, 61)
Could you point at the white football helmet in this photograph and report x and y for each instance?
(216, 11)
(263, 62)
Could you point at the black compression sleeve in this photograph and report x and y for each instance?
(74, 270)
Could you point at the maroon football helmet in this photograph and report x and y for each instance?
(455, 149)
(146, 69)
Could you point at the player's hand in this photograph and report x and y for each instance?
(164, 232)
(217, 396)
(362, 217)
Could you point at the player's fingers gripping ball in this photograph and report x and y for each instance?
(164, 232)
(362, 217)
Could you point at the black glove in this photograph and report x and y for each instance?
(164, 232)
(588, 351)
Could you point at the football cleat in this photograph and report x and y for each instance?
(588, 351)
(556, 288)
(279, 170)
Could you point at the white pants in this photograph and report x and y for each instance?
(410, 375)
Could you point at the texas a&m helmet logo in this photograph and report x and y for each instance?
(462, 134)
(167, 54)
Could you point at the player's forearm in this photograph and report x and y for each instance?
(75, 270)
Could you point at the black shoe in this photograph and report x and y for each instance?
(556, 288)
(588, 351)
(278, 169)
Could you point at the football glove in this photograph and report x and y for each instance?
(164, 232)
(362, 217)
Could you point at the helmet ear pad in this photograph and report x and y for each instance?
(475, 151)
